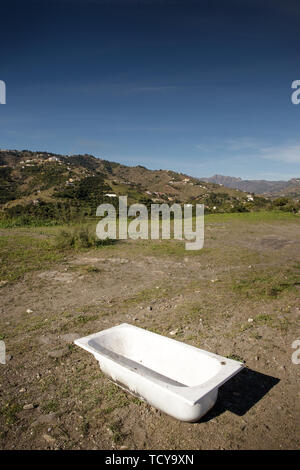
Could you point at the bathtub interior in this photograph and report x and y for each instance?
(188, 366)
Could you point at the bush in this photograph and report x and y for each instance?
(65, 239)
(286, 204)
(281, 201)
(80, 238)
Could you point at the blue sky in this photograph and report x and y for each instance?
(201, 87)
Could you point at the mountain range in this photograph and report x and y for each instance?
(289, 188)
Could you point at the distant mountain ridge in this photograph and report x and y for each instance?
(289, 188)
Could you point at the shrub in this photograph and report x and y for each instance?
(65, 239)
(79, 238)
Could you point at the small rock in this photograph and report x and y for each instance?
(256, 358)
(29, 406)
(173, 332)
(29, 310)
(45, 419)
(250, 320)
(58, 353)
(149, 308)
(22, 390)
(123, 448)
(8, 357)
(46, 339)
(49, 439)
(70, 337)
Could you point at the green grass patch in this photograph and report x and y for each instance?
(21, 253)
(253, 217)
(263, 319)
(10, 411)
(82, 319)
(265, 283)
(27, 249)
(50, 407)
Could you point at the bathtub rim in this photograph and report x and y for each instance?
(190, 394)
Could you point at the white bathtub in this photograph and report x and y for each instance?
(176, 378)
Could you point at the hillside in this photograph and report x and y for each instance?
(289, 188)
(59, 187)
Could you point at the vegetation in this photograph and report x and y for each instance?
(30, 249)
(40, 188)
(83, 237)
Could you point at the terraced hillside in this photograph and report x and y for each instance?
(44, 185)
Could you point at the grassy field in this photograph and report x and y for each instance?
(238, 297)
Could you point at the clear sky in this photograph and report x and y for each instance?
(201, 87)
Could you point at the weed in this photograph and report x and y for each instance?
(10, 411)
(235, 357)
(85, 426)
(50, 407)
(82, 319)
(263, 319)
(117, 434)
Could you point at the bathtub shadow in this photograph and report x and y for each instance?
(239, 394)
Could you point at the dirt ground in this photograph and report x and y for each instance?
(237, 297)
